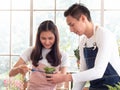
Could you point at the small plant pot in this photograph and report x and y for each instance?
(49, 70)
(48, 73)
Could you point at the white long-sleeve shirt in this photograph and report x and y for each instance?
(107, 53)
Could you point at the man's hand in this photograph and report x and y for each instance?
(58, 78)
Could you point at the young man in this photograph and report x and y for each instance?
(99, 55)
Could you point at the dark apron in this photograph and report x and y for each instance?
(110, 76)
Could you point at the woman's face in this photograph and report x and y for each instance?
(47, 39)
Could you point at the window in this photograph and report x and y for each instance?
(19, 20)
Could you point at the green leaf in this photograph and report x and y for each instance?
(116, 87)
(49, 70)
(76, 53)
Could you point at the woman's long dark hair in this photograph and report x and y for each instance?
(54, 56)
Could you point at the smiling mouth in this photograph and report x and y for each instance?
(47, 45)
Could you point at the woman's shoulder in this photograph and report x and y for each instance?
(64, 59)
(26, 54)
(63, 52)
(27, 51)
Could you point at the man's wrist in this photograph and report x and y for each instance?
(68, 77)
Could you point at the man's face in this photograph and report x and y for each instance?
(76, 26)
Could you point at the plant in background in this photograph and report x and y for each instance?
(115, 87)
(14, 83)
(77, 55)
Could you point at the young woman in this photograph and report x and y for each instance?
(45, 53)
(99, 56)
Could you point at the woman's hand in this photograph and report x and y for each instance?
(23, 69)
(19, 67)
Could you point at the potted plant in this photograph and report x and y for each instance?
(77, 55)
(49, 70)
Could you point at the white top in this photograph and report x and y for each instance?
(107, 53)
(26, 57)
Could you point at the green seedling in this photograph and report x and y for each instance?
(49, 70)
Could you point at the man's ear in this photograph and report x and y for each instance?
(82, 18)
